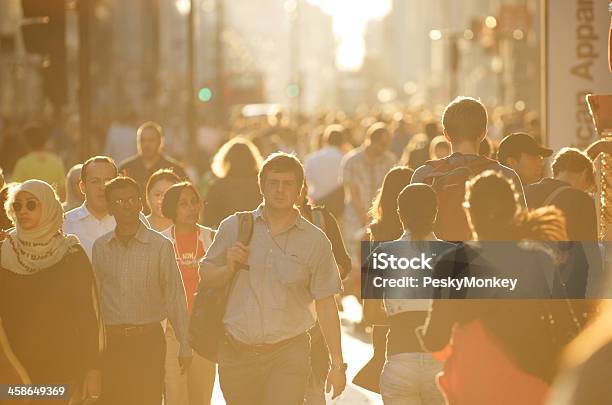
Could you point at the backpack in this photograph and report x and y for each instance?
(448, 181)
(206, 323)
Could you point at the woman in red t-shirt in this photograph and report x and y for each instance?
(182, 204)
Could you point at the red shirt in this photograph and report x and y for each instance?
(189, 249)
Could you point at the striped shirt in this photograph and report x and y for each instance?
(140, 282)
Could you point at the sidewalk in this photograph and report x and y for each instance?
(356, 354)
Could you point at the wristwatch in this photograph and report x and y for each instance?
(342, 367)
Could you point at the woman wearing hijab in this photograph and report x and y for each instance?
(48, 295)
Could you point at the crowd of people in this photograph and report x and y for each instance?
(100, 268)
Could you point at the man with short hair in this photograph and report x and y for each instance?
(150, 138)
(39, 163)
(520, 152)
(362, 172)
(573, 177)
(464, 123)
(264, 357)
(92, 219)
(323, 189)
(140, 285)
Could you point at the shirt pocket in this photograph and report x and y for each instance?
(291, 271)
(293, 277)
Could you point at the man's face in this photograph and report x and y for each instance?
(96, 176)
(281, 190)
(125, 205)
(530, 168)
(149, 143)
(381, 145)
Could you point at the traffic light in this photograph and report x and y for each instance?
(44, 32)
(293, 90)
(205, 94)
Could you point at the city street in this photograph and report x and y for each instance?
(357, 351)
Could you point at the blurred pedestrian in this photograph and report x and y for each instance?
(521, 153)
(439, 148)
(134, 300)
(235, 165)
(508, 345)
(386, 224)
(39, 163)
(465, 126)
(74, 195)
(292, 261)
(158, 183)
(573, 178)
(92, 219)
(586, 361)
(325, 189)
(319, 354)
(182, 204)
(150, 158)
(409, 373)
(48, 298)
(362, 172)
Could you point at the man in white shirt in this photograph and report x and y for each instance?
(320, 167)
(92, 220)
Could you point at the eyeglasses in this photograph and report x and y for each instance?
(30, 205)
(129, 200)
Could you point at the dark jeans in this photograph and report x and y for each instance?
(133, 369)
(276, 378)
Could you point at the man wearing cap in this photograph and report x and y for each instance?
(522, 153)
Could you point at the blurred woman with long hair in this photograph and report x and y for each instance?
(503, 351)
(385, 224)
(235, 165)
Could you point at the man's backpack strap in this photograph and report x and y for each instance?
(245, 227)
(443, 167)
(551, 197)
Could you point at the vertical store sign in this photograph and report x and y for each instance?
(576, 64)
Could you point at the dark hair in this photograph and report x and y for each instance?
(431, 130)
(237, 157)
(485, 148)
(119, 183)
(35, 136)
(575, 161)
(494, 212)
(96, 159)
(281, 162)
(376, 131)
(417, 205)
(385, 223)
(464, 119)
(334, 135)
(160, 175)
(171, 198)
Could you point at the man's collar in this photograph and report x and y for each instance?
(299, 219)
(82, 212)
(142, 234)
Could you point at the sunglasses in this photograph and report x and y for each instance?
(30, 205)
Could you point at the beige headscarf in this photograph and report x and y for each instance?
(29, 251)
